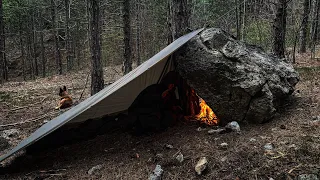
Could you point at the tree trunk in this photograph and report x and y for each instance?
(22, 51)
(3, 61)
(181, 15)
(56, 40)
(279, 28)
(43, 59)
(169, 22)
(29, 52)
(244, 21)
(237, 19)
(77, 45)
(315, 26)
(97, 82)
(67, 36)
(127, 36)
(304, 26)
(34, 46)
(138, 45)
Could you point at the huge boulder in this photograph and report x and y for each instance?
(240, 82)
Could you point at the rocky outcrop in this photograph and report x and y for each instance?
(241, 82)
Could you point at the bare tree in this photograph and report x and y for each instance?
(29, 43)
(169, 22)
(127, 37)
(43, 59)
(304, 26)
(315, 25)
(138, 21)
(68, 36)
(22, 50)
(56, 36)
(279, 28)
(238, 21)
(34, 45)
(181, 12)
(3, 61)
(97, 82)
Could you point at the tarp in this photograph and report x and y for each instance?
(115, 98)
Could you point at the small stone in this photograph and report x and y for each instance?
(94, 169)
(282, 126)
(157, 173)
(269, 147)
(10, 133)
(308, 177)
(224, 159)
(271, 179)
(199, 129)
(179, 157)
(224, 145)
(234, 126)
(252, 140)
(201, 165)
(169, 146)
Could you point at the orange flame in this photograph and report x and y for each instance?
(206, 114)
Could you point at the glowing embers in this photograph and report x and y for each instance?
(199, 110)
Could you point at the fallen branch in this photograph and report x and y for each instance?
(28, 121)
(294, 168)
(18, 108)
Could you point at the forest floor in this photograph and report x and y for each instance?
(294, 132)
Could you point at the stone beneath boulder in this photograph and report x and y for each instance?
(240, 82)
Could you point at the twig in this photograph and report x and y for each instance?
(18, 108)
(279, 156)
(51, 171)
(85, 86)
(30, 120)
(294, 168)
(46, 171)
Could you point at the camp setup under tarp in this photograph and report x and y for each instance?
(115, 98)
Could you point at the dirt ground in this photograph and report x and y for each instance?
(119, 155)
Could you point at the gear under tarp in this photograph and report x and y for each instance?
(117, 97)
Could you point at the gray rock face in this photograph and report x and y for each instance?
(240, 82)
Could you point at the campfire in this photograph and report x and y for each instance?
(206, 114)
(199, 110)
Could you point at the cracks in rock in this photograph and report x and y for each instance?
(257, 94)
(247, 109)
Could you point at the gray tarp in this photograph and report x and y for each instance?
(115, 98)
